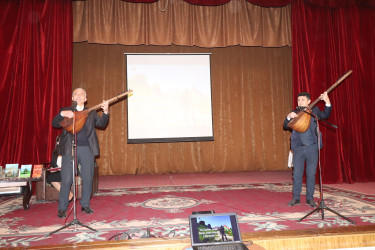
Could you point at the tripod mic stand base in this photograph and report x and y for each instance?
(321, 207)
(73, 222)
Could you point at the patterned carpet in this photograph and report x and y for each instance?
(164, 212)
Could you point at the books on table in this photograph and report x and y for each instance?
(10, 186)
(11, 170)
(37, 171)
(25, 170)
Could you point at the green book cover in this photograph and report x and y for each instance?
(25, 170)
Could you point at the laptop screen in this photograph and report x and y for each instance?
(208, 229)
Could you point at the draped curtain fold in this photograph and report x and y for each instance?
(327, 42)
(273, 3)
(35, 76)
(341, 3)
(180, 23)
(268, 3)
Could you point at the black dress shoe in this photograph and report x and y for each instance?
(87, 210)
(293, 202)
(61, 214)
(311, 203)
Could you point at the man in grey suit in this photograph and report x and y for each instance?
(305, 148)
(87, 149)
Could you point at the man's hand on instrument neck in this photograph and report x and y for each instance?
(105, 107)
(325, 98)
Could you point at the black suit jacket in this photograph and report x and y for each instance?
(93, 120)
(295, 140)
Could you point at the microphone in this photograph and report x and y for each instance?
(74, 105)
(300, 108)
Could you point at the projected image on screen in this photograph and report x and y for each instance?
(171, 99)
(215, 229)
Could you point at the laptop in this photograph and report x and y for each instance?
(215, 231)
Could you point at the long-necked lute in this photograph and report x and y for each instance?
(81, 116)
(302, 122)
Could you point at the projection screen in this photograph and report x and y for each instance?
(171, 99)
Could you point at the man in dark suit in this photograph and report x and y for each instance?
(305, 148)
(87, 149)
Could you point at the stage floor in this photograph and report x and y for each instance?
(124, 181)
(355, 237)
(132, 203)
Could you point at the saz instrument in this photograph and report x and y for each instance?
(302, 122)
(81, 116)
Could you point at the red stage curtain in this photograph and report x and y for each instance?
(327, 42)
(35, 76)
(341, 3)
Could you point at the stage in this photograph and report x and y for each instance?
(360, 237)
(161, 204)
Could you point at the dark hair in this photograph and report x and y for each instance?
(55, 151)
(305, 94)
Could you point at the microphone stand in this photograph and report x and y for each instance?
(75, 221)
(321, 205)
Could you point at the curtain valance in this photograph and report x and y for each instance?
(181, 23)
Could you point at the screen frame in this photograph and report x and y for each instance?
(171, 139)
(193, 222)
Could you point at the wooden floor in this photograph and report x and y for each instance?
(328, 238)
(331, 238)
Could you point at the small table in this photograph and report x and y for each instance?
(21, 181)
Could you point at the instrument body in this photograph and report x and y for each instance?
(302, 122)
(81, 116)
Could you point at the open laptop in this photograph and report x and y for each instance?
(215, 231)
